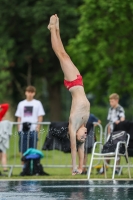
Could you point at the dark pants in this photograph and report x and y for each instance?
(27, 140)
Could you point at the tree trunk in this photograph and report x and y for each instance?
(55, 102)
(29, 70)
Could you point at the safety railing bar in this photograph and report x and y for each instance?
(43, 123)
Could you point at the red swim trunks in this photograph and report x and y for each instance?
(77, 81)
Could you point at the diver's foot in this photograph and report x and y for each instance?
(52, 21)
(57, 22)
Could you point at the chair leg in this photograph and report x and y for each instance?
(10, 171)
(115, 161)
(105, 174)
(129, 172)
(120, 171)
(90, 167)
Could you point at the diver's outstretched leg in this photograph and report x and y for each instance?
(68, 68)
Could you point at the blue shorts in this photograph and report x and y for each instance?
(27, 140)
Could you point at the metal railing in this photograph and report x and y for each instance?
(61, 160)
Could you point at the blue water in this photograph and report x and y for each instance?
(66, 190)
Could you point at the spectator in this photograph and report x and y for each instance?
(29, 112)
(3, 109)
(116, 114)
(92, 118)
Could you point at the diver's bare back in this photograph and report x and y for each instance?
(80, 108)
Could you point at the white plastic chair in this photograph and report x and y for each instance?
(110, 156)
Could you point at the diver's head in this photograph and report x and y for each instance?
(81, 134)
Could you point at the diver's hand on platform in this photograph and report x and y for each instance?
(77, 171)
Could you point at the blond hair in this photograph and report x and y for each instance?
(114, 96)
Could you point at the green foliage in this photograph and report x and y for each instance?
(26, 39)
(4, 77)
(102, 48)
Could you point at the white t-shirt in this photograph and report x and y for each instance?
(29, 111)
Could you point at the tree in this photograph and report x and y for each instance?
(103, 47)
(26, 39)
(4, 77)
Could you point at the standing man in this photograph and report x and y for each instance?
(29, 112)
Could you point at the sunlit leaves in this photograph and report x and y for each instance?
(105, 51)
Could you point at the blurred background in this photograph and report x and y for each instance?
(97, 34)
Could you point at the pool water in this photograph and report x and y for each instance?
(66, 190)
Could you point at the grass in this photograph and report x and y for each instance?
(53, 157)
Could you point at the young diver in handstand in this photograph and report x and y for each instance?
(80, 106)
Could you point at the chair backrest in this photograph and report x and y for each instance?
(106, 135)
(128, 127)
(115, 137)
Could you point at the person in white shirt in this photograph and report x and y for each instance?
(29, 112)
